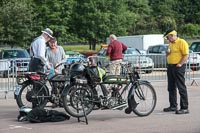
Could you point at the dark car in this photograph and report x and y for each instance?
(195, 47)
(157, 53)
(13, 60)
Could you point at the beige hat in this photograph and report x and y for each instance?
(49, 32)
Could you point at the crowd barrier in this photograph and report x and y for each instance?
(9, 71)
(156, 73)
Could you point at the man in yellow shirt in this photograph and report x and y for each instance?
(177, 55)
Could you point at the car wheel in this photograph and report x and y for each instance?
(149, 70)
(5, 74)
(195, 68)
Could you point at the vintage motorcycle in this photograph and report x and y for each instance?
(91, 88)
(37, 89)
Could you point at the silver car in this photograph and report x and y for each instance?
(13, 61)
(132, 55)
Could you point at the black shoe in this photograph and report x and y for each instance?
(128, 110)
(104, 108)
(182, 111)
(170, 109)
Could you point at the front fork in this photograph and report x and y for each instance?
(135, 90)
(131, 99)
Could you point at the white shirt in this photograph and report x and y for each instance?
(38, 48)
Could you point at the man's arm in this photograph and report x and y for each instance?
(124, 47)
(63, 57)
(183, 60)
(108, 50)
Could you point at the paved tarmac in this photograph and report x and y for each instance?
(112, 121)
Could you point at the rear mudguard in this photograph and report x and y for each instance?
(131, 100)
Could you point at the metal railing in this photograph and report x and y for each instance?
(9, 71)
(157, 71)
(154, 72)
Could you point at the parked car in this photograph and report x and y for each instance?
(72, 56)
(157, 53)
(143, 52)
(131, 55)
(195, 47)
(13, 60)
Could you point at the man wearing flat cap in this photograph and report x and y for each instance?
(177, 55)
(37, 51)
(55, 54)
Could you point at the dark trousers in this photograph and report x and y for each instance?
(176, 79)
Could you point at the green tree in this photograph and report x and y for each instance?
(188, 10)
(93, 21)
(164, 14)
(15, 20)
(193, 30)
(141, 19)
(56, 15)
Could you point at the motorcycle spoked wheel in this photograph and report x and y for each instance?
(27, 95)
(79, 100)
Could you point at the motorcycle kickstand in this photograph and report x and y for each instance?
(86, 120)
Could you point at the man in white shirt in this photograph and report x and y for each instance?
(37, 51)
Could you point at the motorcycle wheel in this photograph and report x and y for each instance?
(32, 93)
(145, 97)
(78, 101)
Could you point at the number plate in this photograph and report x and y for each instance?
(22, 69)
(17, 90)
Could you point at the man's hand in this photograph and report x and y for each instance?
(56, 71)
(178, 65)
(48, 65)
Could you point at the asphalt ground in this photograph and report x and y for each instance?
(112, 121)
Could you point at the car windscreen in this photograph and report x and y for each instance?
(102, 52)
(7, 54)
(195, 47)
(132, 51)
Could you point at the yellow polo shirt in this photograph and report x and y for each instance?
(177, 50)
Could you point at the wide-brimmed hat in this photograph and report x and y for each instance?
(49, 32)
(169, 32)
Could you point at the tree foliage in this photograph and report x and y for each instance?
(15, 20)
(92, 21)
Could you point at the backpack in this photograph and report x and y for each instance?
(39, 115)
